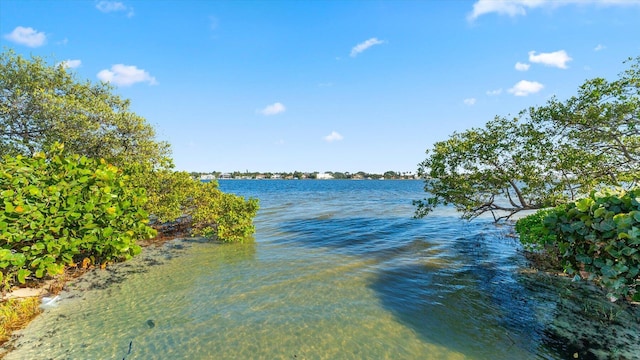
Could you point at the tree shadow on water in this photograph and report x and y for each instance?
(456, 284)
(450, 289)
(460, 309)
(479, 305)
(468, 297)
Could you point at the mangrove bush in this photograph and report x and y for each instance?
(597, 237)
(59, 210)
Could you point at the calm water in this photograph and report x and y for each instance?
(338, 270)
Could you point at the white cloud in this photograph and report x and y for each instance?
(273, 109)
(494, 92)
(510, 8)
(557, 59)
(113, 6)
(364, 46)
(334, 136)
(599, 47)
(70, 64)
(524, 88)
(126, 75)
(27, 36)
(520, 7)
(470, 101)
(522, 66)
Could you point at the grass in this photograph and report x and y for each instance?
(16, 314)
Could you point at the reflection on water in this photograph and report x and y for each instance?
(339, 270)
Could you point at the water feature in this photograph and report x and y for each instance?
(338, 270)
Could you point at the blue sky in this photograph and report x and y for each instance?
(325, 85)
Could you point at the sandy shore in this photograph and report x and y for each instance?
(97, 279)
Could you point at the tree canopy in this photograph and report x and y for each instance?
(41, 104)
(598, 130)
(544, 156)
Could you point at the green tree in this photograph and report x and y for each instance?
(390, 175)
(503, 168)
(598, 130)
(545, 156)
(41, 104)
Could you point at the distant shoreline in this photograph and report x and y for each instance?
(307, 179)
(389, 175)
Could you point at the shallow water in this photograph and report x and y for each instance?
(338, 270)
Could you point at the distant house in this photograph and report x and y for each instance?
(276, 176)
(207, 177)
(225, 176)
(324, 176)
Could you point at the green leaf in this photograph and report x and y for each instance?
(22, 275)
(599, 212)
(584, 204)
(608, 271)
(585, 259)
(613, 252)
(607, 225)
(107, 232)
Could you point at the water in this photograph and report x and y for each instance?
(338, 270)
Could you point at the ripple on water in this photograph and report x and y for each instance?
(339, 270)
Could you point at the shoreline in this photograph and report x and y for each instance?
(76, 288)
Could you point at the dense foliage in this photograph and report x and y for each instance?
(597, 132)
(502, 169)
(61, 209)
(224, 216)
(42, 104)
(211, 212)
(597, 236)
(562, 156)
(533, 233)
(545, 156)
(58, 210)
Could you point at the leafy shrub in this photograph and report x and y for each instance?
(168, 191)
(58, 210)
(226, 216)
(209, 212)
(533, 234)
(600, 235)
